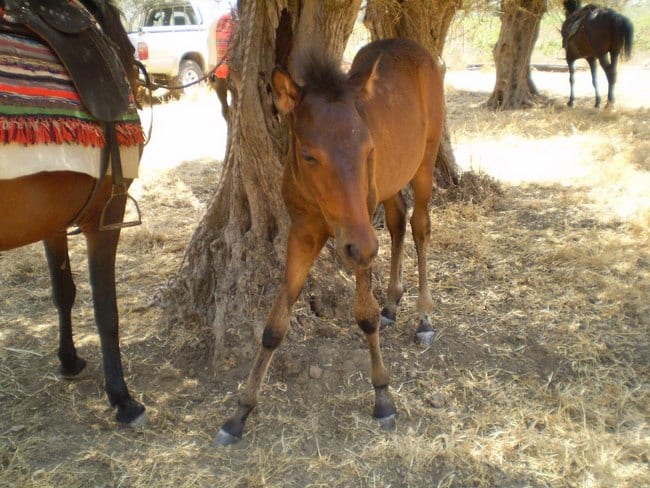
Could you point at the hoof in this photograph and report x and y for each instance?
(141, 420)
(387, 319)
(225, 439)
(425, 337)
(73, 372)
(131, 413)
(387, 423)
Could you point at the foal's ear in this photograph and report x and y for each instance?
(367, 90)
(285, 91)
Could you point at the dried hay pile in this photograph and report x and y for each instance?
(538, 375)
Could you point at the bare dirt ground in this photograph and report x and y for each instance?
(539, 374)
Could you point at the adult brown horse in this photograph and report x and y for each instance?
(358, 140)
(594, 33)
(42, 205)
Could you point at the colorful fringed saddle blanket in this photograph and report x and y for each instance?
(43, 124)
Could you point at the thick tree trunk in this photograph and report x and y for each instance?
(520, 21)
(234, 260)
(425, 21)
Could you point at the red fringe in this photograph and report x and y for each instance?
(48, 130)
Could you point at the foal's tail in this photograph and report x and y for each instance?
(625, 31)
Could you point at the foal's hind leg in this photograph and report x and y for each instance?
(63, 295)
(366, 313)
(395, 214)
(421, 225)
(594, 79)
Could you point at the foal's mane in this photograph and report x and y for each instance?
(322, 75)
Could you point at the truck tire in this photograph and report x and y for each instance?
(189, 71)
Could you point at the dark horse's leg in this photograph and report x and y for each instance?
(395, 215)
(63, 295)
(572, 71)
(221, 87)
(594, 79)
(102, 247)
(610, 72)
(366, 313)
(303, 246)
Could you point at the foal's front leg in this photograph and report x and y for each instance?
(366, 313)
(63, 296)
(302, 248)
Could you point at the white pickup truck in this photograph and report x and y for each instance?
(172, 38)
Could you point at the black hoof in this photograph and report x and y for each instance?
(225, 439)
(131, 414)
(387, 423)
(388, 318)
(72, 370)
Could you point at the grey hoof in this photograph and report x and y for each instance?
(387, 423)
(425, 338)
(225, 439)
(140, 421)
(386, 322)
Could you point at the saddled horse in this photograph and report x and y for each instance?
(46, 123)
(358, 140)
(592, 33)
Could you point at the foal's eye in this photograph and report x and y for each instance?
(309, 158)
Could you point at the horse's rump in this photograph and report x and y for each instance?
(43, 124)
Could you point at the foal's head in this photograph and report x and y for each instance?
(333, 152)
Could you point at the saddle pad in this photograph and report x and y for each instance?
(43, 124)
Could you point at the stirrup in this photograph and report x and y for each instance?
(120, 225)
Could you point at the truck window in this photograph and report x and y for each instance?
(182, 16)
(191, 15)
(159, 17)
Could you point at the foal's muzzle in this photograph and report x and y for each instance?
(357, 249)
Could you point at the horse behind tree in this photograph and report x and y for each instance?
(595, 33)
(358, 140)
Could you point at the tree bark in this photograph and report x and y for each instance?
(234, 260)
(514, 87)
(427, 22)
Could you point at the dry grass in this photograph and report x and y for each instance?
(538, 376)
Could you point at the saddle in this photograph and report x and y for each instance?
(82, 47)
(95, 69)
(573, 22)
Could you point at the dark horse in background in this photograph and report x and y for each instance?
(594, 33)
(42, 206)
(358, 140)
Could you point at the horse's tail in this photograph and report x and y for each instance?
(625, 30)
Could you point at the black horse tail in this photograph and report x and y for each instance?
(625, 31)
